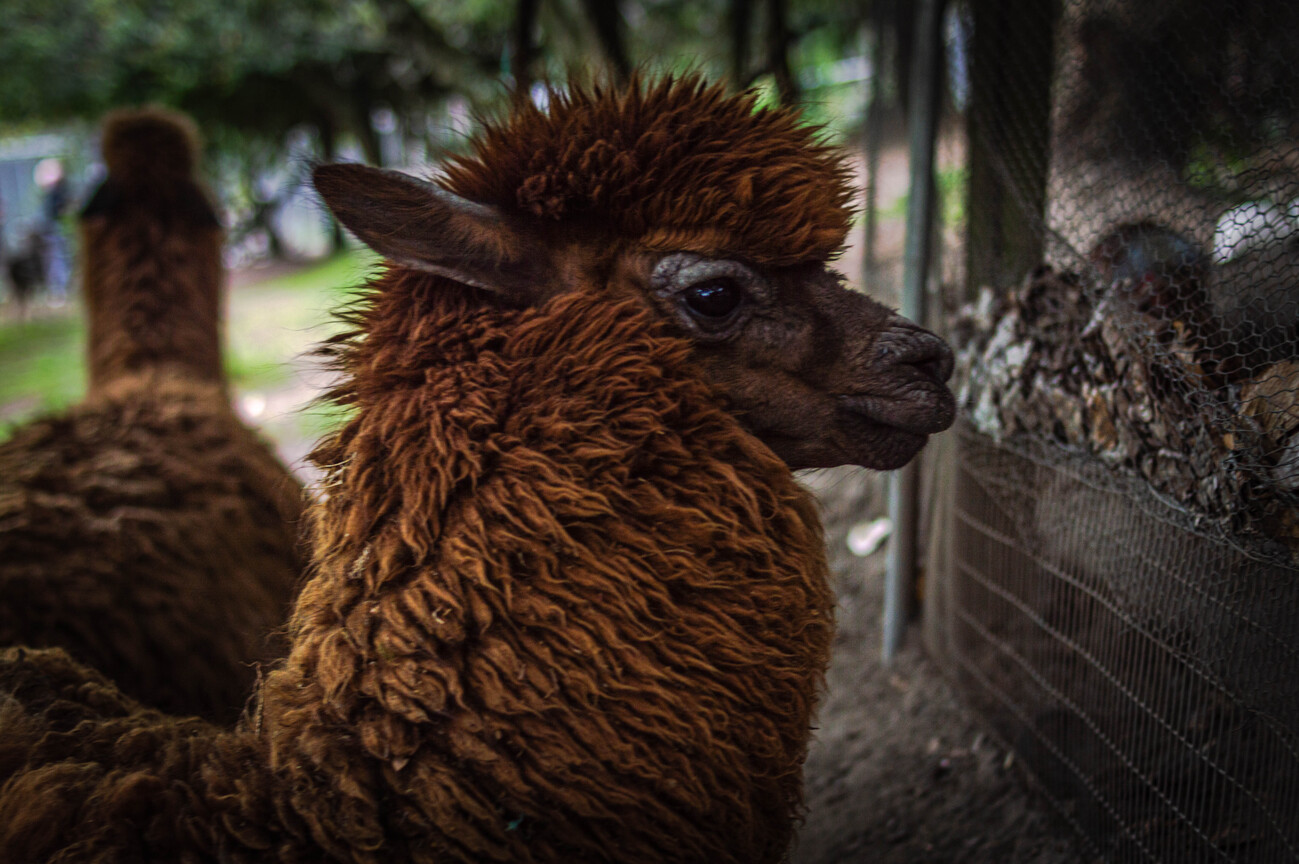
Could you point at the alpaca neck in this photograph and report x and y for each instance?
(153, 295)
(555, 586)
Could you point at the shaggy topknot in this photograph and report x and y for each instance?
(148, 145)
(674, 165)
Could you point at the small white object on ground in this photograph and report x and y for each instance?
(865, 537)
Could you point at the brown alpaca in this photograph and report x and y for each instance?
(147, 531)
(568, 603)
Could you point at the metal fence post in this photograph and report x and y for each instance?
(904, 485)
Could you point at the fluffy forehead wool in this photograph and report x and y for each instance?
(676, 164)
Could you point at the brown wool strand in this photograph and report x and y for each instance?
(147, 531)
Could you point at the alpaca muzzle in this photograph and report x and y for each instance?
(907, 381)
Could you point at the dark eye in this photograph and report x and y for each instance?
(715, 298)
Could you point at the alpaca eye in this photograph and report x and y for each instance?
(711, 298)
(714, 299)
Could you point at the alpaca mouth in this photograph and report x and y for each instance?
(927, 409)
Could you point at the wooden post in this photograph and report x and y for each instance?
(904, 484)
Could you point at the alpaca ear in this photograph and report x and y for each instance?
(418, 225)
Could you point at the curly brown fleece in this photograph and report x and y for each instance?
(147, 531)
(152, 536)
(677, 165)
(598, 598)
(565, 609)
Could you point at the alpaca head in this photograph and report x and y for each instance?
(152, 157)
(717, 216)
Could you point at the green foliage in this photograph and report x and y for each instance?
(258, 65)
(54, 60)
(262, 66)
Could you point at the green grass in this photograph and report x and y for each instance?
(270, 326)
(42, 364)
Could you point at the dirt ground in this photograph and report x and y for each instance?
(899, 771)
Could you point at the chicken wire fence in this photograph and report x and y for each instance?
(1116, 558)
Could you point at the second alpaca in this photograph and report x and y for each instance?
(147, 530)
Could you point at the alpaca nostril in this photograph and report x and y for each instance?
(936, 367)
(930, 368)
(938, 363)
(912, 346)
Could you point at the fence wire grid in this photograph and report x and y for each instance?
(1116, 544)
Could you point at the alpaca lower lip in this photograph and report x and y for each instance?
(924, 412)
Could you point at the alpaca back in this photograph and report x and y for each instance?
(153, 537)
(88, 774)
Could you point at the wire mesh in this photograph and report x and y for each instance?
(1162, 338)
(1120, 591)
(1146, 674)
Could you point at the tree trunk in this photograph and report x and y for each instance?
(778, 39)
(325, 127)
(903, 17)
(369, 139)
(523, 45)
(740, 17)
(606, 16)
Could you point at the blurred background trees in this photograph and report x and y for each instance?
(276, 83)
